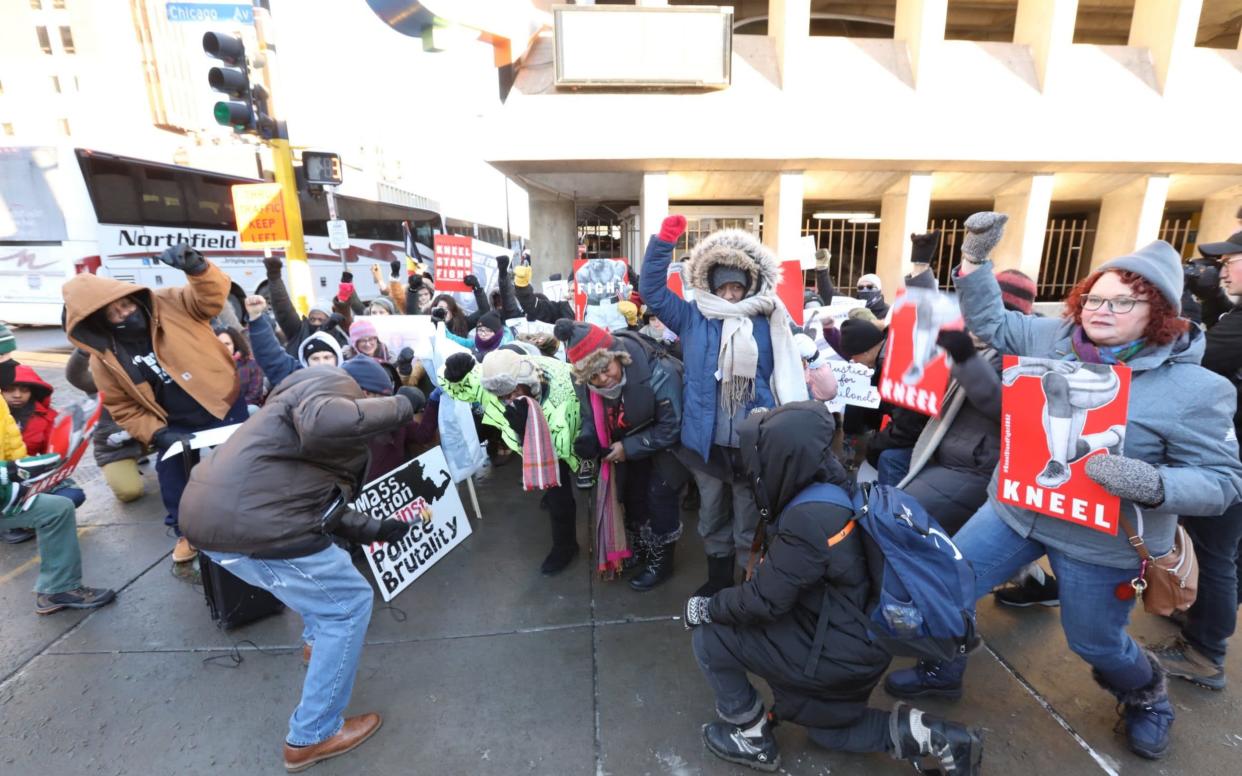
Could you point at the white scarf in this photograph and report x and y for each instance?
(738, 360)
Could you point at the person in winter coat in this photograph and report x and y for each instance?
(116, 451)
(536, 307)
(294, 327)
(29, 399)
(1176, 458)
(509, 307)
(740, 355)
(457, 323)
(365, 341)
(391, 448)
(392, 296)
(155, 359)
(265, 507)
(1197, 653)
(631, 420)
(12, 446)
(319, 349)
(783, 625)
(249, 373)
(531, 402)
(419, 295)
(490, 333)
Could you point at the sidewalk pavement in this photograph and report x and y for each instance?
(484, 666)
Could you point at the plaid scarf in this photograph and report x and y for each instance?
(610, 542)
(1088, 352)
(540, 470)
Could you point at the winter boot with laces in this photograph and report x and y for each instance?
(927, 679)
(751, 743)
(957, 748)
(659, 566)
(1146, 714)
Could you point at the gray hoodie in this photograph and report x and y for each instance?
(1180, 421)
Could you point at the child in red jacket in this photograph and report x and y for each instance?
(30, 401)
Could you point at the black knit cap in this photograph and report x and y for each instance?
(491, 320)
(858, 336)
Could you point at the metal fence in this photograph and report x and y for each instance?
(1065, 259)
(854, 248)
(1180, 231)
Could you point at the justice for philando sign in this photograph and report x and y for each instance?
(420, 492)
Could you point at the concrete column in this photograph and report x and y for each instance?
(1129, 218)
(789, 25)
(1026, 203)
(1219, 218)
(920, 23)
(1167, 28)
(653, 207)
(903, 211)
(782, 214)
(553, 235)
(1047, 27)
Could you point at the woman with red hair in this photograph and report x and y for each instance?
(1177, 455)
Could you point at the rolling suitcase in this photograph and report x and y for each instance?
(234, 602)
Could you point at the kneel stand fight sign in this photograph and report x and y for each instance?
(1055, 415)
(421, 492)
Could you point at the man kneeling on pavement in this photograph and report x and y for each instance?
(265, 506)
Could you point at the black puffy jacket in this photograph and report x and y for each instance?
(775, 614)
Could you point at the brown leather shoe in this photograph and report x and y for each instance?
(306, 653)
(353, 733)
(184, 552)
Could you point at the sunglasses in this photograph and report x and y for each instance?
(866, 287)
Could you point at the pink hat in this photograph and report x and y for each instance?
(361, 330)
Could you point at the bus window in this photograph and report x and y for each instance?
(113, 191)
(163, 202)
(210, 202)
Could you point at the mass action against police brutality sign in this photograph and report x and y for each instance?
(454, 260)
(420, 492)
(1055, 415)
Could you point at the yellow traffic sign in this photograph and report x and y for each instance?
(260, 211)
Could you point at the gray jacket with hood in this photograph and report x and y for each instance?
(1180, 421)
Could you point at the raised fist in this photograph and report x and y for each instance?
(181, 256)
(471, 281)
(256, 305)
(272, 264)
(458, 366)
(672, 228)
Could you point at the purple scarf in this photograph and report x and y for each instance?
(489, 344)
(1088, 352)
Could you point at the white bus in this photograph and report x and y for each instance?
(66, 210)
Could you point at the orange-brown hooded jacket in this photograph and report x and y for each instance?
(181, 335)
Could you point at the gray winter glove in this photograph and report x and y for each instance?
(1128, 478)
(118, 438)
(983, 232)
(696, 611)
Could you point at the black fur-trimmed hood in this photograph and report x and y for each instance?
(734, 248)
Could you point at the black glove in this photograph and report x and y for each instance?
(394, 267)
(392, 530)
(458, 366)
(502, 263)
(181, 256)
(405, 362)
(334, 320)
(347, 277)
(957, 344)
(471, 281)
(440, 314)
(414, 396)
(272, 264)
(416, 282)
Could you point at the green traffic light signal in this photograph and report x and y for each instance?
(233, 114)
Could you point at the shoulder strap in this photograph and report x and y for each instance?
(821, 625)
(824, 492)
(1135, 540)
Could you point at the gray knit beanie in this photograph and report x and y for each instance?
(1159, 264)
(983, 232)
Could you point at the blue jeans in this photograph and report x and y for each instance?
(73, 493)
(173, 473)
(335, 603)
(1093, 618)
(893, 465)
(1211, 621)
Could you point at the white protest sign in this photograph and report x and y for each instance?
(523, 326)
(556, 290)
(401, 331)
(420, 492)
(836, 312)
(805, 252)
(853, 385)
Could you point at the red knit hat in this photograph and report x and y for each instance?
(588, 347)
(1017, 290)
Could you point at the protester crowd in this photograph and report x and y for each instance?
(711, 395)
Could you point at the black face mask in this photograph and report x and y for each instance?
(134, 323)
(868, 294)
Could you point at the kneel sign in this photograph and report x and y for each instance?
(421, 492)
(1055, 415)
(916, 370)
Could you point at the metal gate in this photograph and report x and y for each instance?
(854, 248)
(1180, 231)
(1065, 259)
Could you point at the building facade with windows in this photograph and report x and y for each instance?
(1097, 125)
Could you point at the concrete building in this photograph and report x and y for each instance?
(1097, 125)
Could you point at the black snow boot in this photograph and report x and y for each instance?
(957, 748)
(564, 544)
(638, 552)
(719, 575)
(659, 566)
(751, 744)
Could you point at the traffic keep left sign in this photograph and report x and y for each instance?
(260, 212)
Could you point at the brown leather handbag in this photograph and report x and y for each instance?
(1169, 583)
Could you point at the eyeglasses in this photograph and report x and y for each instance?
(1120, 304)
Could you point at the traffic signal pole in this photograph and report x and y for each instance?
(301, 284)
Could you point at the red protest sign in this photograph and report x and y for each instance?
(454, 260)
(916, 371)
(598, 282)
(675, 283)
(1054, 416)
(791, 289)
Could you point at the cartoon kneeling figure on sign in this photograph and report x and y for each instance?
(926, 328)
(1071, 390)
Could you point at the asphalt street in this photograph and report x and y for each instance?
(483, 666)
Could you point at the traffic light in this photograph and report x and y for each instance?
(322, 169)
(245, 110)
